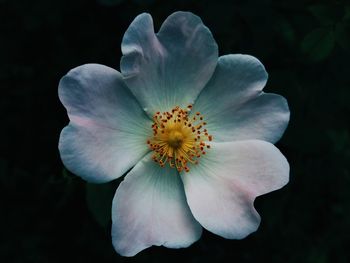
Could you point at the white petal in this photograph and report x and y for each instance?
(108, 129)
(169, 68)
(234, 105)
(150, 208)
(221, 189)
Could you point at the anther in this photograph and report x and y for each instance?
(177, 139)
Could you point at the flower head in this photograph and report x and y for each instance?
(195, 129)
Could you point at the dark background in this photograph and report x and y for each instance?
(50, 215)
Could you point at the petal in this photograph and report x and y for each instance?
(99, 154)
(221, 189)
(234, 105)
(108, 131)
(150, 208)
(96, 94)
(171, 67)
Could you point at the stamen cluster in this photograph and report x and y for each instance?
(178, 139)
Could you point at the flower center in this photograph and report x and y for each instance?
(178, 139)
(175, 139)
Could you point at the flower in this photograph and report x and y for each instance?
(196, 130)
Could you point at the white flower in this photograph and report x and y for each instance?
(195, 130)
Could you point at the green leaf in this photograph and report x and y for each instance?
(346, 17)
(284, 27)
(318, 44)
(325, 14)
(342, 36)
(99, 201)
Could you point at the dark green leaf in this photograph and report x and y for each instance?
(286, 30)
(346, 17)
(318, 44)
(325, 14)
(342, 36)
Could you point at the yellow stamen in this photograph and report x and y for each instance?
(177, 139)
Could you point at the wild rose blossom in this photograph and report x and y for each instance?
(196, 130)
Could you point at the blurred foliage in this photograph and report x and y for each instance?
(318, 44)
(50, 215)
(99, 200)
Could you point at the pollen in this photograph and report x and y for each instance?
(178, 139)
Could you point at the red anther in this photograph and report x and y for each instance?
(191, 147)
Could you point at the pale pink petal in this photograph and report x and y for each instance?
(221, 189)
(234, 105)
(108, 130)
(150, 208)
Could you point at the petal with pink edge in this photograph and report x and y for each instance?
(234, 105)
(221, 189)
(149, 208)
(107, 132)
